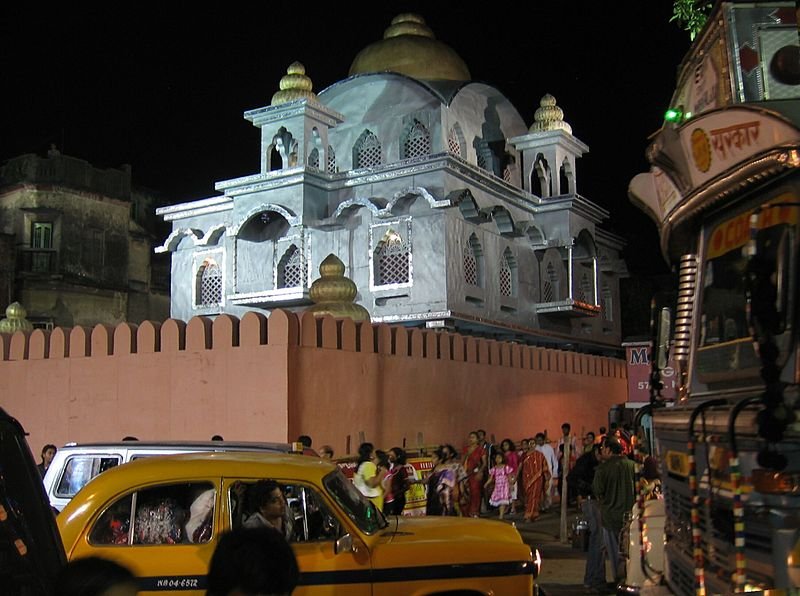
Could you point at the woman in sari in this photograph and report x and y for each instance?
(535, 474)
(453, 481)
(440, 486)
(475, 466)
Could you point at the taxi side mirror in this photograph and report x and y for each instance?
(343, 544)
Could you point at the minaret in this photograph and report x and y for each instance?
(294, 127)
(549, 152)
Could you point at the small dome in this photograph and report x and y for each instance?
(409, 47)
(294, 85)
(15, 319)
(549, 117)
(334, 294)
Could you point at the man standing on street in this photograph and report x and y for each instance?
(552, 462)
(582, 477)
(614, 486)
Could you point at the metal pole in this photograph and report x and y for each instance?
(564, 470)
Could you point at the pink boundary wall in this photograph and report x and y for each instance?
(274, 378)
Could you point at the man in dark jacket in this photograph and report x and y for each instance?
(582, 477)
(614, 486)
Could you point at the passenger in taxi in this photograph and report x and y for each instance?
(268, 507)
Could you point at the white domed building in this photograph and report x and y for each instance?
(446, 209)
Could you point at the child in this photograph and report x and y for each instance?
(502, 476)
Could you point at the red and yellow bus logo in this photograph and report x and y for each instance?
(701, 149)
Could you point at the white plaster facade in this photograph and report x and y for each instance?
(445, 209)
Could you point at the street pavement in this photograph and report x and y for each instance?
(562, 565)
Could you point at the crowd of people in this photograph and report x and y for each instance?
(513, 479)
(525, 479)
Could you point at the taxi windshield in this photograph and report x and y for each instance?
(358, 508)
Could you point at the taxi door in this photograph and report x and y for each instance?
(312, 528)
(165, 534)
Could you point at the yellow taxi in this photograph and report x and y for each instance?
(162, 518)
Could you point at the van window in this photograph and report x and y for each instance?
(80, 469)
(308, 518)
(170, 514)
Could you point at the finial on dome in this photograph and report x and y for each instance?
(15, 319)
(549, 116)
(410, 48)
(334, 294)
(294, 85)
(408, 24)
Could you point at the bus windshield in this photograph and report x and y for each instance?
(725, 351)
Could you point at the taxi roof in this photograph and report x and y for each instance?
(148, 471)
(166, 445)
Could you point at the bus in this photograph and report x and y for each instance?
(724, 190)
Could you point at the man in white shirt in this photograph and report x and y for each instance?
(552, 461)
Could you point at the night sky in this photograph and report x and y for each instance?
(163, 87)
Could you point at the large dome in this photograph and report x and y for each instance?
(409, 47)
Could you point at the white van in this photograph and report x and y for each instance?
(74, 465)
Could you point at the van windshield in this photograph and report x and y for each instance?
(81, 469)
(358, 508)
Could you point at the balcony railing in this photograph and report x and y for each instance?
(37, 260)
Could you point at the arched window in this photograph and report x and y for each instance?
(454, 141)
(417, 141)
(508, 274)
(313, 159)
(473, 262)
(331, 161)
(275, 159)
(291, 269)
(282, 145)
(550, 285)
(540, 177)
(367, 151)
(563, 178)
(391, 260)
(607, 303)
(586, 289)
(209, 284)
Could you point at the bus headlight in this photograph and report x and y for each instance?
(780, 483)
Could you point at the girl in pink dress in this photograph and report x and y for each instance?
(502, 476)
(512, 459)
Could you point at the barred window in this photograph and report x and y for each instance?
(291, 269)
(550, 289)
(367, 151)
(508, 174)
(585, 290)
(607, 304)
(481, 161)
(331, 160)
(313, 159)
(454, 143)
(508, 272)
(391, 260)
(473, 262)
(209, 284)
(417, 142)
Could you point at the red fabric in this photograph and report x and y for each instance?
(535, 473)
(472, 461)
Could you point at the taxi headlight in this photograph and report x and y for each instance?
(537, 562)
